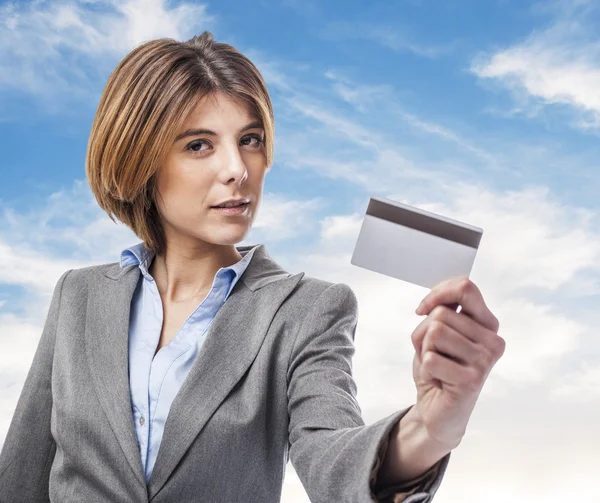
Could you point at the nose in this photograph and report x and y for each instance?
(234, 166)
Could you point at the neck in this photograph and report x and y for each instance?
(186, 274)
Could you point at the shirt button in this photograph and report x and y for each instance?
(142, 420)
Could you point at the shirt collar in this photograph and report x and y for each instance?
(139, 255)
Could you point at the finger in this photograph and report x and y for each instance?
(449, 373)
(461, 323)
(453, 336)
(418, 335)
(466, 326)
(447, 342)
(460, 291)
(428, 301)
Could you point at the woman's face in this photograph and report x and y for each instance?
(205, 168)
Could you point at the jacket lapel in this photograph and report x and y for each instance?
(232, 342)
(106, 344)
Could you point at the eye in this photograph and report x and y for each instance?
(259, 140)
(195, 145)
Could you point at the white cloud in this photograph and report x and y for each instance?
(70, 224)
(536, 258)
(530, 240)
(377, 144)
(21, 336)
(392, 37)
(556, 66)
(580, 386)
(59, 50)
(281, 217)
(27, 268)
(19, 333)
(369, 97)
(309, 107)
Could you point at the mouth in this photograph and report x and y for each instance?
(233, 210)
(234, 206)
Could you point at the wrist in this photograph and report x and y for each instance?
(411, 451)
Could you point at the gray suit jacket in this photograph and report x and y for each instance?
(273, 379)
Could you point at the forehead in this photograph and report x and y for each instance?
(222, 108)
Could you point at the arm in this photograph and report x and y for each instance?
(411, 452)
(29, 448)
(408, 462)
(331, 449)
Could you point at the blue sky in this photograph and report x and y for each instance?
(485, 111)
(420, 53)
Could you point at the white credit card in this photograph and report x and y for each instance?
(414, 245)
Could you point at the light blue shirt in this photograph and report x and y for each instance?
(155, 380)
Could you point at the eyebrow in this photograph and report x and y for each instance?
(195, 132)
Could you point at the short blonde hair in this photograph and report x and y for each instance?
(146, 99)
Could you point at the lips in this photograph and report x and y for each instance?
(234, 206)
(234, 210)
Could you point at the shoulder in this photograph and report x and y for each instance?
(319, 294)
(321, 313)
(81, 276)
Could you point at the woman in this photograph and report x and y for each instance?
(213, 352)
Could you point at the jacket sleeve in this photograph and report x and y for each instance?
(28, 450)
(335, 455)
(400, 493)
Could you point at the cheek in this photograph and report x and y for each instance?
(184, 193)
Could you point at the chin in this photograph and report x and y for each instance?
(223, 238)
